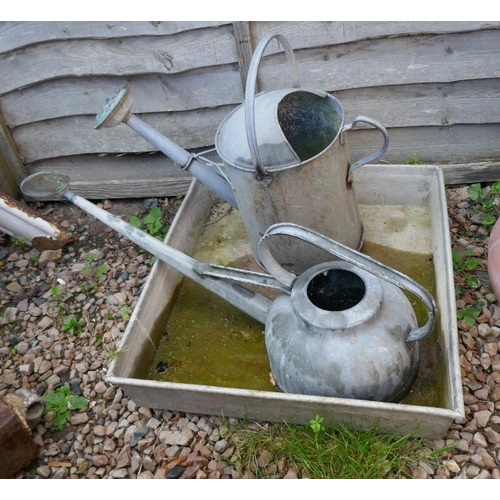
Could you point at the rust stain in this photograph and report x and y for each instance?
(42, 242)
(46, 243)
(17, 447)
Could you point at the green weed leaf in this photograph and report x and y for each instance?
(468, 314)
(59, 421)
(471, 264)
(62, 402)
(490, 219)
(474, 191)
(77, 402)
(135, 222)
(153, 216)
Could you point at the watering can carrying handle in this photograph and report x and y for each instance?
(374, 156)
(251, 85)
(353, 257)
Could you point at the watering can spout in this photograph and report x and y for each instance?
(117, 109)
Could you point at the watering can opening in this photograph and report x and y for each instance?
(309, 122)
(336, 290)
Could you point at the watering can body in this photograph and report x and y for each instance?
(286, 156)
(343, 328)
(314, 192)
(359, 352)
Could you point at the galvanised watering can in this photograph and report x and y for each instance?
(340, 329)
(285, 159)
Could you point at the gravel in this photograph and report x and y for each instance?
(99, 277)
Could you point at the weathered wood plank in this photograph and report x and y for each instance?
(476, 101)
(432, 104)
(151, 93)
(438, 145)
(471, 172)
(76, 135)
(106, 168)
(381, 62)
(308, 34)
(128, 176)
(128, 56)
(137, 188)
(17, 34)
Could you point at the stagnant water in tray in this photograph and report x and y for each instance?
(208, 341)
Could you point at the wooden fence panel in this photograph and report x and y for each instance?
(15, 35)
(117, 56)
(434, 85)
(66, 97)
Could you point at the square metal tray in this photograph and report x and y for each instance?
(384, 194)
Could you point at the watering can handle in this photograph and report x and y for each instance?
(374, 156)
(251, 85)
(349, 255)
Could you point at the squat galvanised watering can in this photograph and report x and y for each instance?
(340, 329)
(285, 159)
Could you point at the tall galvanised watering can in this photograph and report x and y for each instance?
(340, 329)
(285, 159)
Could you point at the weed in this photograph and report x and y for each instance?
(415, 159)
(90, 257)
(485, 201)
(113, 353)
(316, 424)
(125, 312)
(18, 240)
(85, 287)
(101, 271)
(468, 314)
(59, 294)
(62, 403)
(72, 325)
(152, 224)
(462, 268)
(87, 269)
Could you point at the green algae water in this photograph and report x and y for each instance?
(208, 341)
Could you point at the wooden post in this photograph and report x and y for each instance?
(7, 184)
(12, 170)
(244, 49)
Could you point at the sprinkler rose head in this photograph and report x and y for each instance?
(115, 110)
(45, 185)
